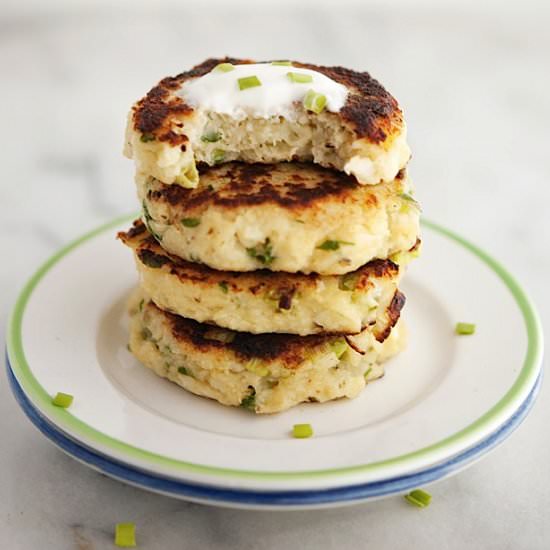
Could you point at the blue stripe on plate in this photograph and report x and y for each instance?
(271, 499)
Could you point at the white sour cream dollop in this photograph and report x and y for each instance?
(219, 91)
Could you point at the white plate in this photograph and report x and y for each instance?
(442, 396)
(272, 500)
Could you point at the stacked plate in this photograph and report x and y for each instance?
(444, 403)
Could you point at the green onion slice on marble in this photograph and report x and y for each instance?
(418, 498)
(125, 535)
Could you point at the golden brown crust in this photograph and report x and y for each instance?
(283, 285)
(289, 349)
(138, 229)
(370, 110)
(393, 313)
(293, 186)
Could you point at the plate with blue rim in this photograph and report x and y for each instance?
(272, 500)
(442, 404)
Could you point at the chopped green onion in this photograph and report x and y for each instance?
(302, 431)
(367, 372)
(190, 222)
(465, 328)
(262, 252)
(187, 372)
(401, 258)
(405, 257)
(141, 305)
(249, 402)
(419, 498)
(211, 137)
(224, 67)
(188, 177)
(255, 366)
(220, 335)
(148, 219)
(125, 535)
(315, 102)
(329, 245)
(63, 400)
(282, 63)
(146, 213)
(218, 155)
(412, 202)
(248, 82)
(223, 286)
(150, 259)
(339, 347)
(146, 334)
(299, 78)
(349, 281)
(146, 138)
(332, 245)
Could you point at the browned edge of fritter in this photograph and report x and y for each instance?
(393, 313)
(252, 185)
(150, 253)
(282, 286)
(370, 110)
(290, 349)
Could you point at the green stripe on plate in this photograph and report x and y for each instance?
(73, 426)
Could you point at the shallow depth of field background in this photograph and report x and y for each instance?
(474, 82)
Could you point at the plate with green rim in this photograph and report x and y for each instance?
(442, 396)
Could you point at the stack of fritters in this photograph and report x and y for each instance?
(269, 265)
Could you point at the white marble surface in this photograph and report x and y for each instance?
(475, 89)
